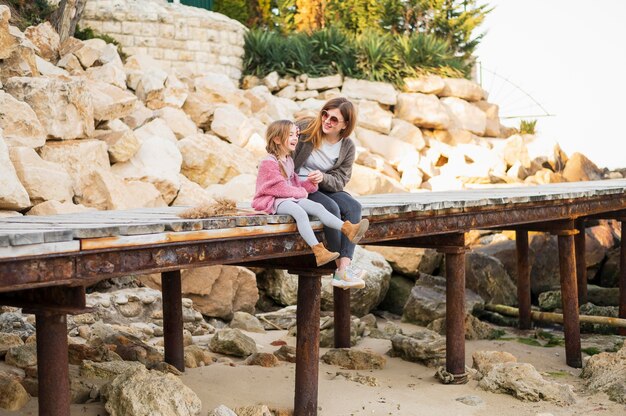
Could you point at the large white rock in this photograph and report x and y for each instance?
(106, 191)
(138, 116)
(13, 196)
(370, 90)
(407, 132)
(56, 208)
(46, 39)
(79, 158)
(465, 115)
(47, 69)
(178, 121)
(394, 150)
(109, 101)
(366, 181)
(241, 188)
(90, 52)
(64, 107)
(19, 123)
(373, 117)
(122, 145)
(156, 128)
(42, 180)
(427, 84)
(492, 129)
(209, 160)
(463, 88)
(142, 67)
(17, 53)
(110, 73)
(191, 194)
(174, 94)
(324, 83)
(157, 161)
(8, 42)
(227, 123)
(423, 110)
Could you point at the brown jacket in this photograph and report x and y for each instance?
(336, 178)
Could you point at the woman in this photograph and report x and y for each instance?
(325, 155)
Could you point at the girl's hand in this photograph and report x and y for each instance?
(315, 177)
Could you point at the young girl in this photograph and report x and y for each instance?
(278, 190)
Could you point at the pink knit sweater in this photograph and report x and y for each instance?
(271, 184)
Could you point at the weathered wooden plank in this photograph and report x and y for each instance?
(39, 249)
(4, 240)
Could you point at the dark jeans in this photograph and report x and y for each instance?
(345, 207)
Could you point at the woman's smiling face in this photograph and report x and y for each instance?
(332, 121)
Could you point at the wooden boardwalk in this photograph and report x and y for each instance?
(46, 263)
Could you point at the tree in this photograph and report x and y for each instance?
(66, 17)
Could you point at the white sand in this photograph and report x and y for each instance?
(404, 388)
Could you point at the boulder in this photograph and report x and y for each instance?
(64, 107)
(544, 270)
(18, 53)
(397, 294)
(178, 121)
(373, 117)
(381, 92)
(606, 372)
(8, 41)
(156, 127)
(216, 291)
(42, 180)
(492, 128)
(208, 160)
(463, 89)
(580, 168)
(13, 196)
(197, 357)
(57, 208)
(410, 261)
(427, 84)
(157, 161)
(227, 124)
(110, 102)
(427, 301)
(488, 278)
(109, 74)
(246, 322)
(465, 116)
(324, 83)
(423, 110)
(422, 346)
(173, 95)
(122, 145)
(19, 123)
(90, 51)
(191, 194)
(407, 132)
(141, 392)
(397, 152)
(46, 69)
(45, 39)
(232, 342)
(80, 158)
(12, 395)
(353, 359)
(8, 341)
(484, 361)
(523, 382)
(366, 181)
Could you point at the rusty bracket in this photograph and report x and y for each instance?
(48, 300)
(444, 243)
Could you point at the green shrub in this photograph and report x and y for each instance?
(376, 58)
(26, 13)
(235, 9)
(527, 126)
(424, 53)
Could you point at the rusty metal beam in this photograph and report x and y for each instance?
(173, 319)
(455, 316)
(523, 279)
(441, 242)
(581, 262)
(26, 273)
(569, 296)
(57, 299)
(341, 315)
(307, 342)
(622, 278)
(52, 364)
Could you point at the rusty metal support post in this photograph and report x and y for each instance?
(307, 343)
(622, 278)
(455, 314)
(581, 264)
(523, 279)
(569, 289)
(173, 319)
(341, 305)
(52, 364)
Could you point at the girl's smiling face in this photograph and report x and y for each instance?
(292, 140)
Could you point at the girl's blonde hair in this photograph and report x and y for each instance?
(280, 129)
(314, 133)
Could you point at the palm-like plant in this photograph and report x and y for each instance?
(376, 57)
(422, 53)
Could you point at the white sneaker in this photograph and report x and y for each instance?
(349, 278)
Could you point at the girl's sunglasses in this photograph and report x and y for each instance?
(332, 120)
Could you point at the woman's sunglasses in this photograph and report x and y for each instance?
(332, 120)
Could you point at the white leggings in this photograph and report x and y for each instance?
(300, 211)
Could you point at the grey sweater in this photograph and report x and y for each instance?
(336, 178)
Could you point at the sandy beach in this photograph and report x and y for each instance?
(404, 388)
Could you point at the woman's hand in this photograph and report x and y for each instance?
(315, 177)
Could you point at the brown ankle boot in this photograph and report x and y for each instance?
(323, 256)
(355, 232)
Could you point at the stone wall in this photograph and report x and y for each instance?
(175, 35)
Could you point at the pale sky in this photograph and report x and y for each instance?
(570, 56)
